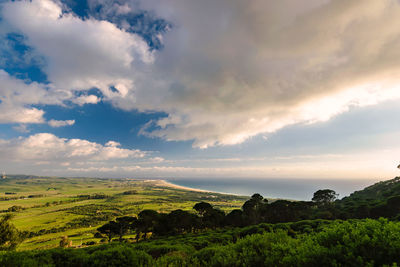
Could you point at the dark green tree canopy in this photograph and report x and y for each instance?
(202, 208)
(257, 197)
(235, 218)
(110, 229)
(325, 196)
(10, 237)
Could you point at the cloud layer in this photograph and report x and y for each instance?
(247, 69)
(48, 154)
(256, 67)
(50, 149)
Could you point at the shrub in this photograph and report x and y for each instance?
(119, 256)
(15, 208)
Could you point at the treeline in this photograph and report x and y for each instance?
(93, 196)
(379, 200)
(335, 243)
(254, 211)
(324, 205)
(19, 197)
(77, 198)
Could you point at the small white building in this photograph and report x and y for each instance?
(3, 175)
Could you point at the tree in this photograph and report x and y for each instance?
(253, 208)
(235, 218)
(209, 217)
(279, 211)
(257, 197)
(10, 237)
(147, 220)
(124, 225)
(65, 242)
(324, 196)
(180, 221)
(202, 208)
(119, 228)
(110, 229)
(393, 206)
(214, 218)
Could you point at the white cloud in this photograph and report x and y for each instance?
(86, 99)
(47, 154)
(112, 144)
(56, 123)
(17, 114)
(79, 54)
(16, 96)
(249, 68)
(46, 147)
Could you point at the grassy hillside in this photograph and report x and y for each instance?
(377, 192)
(51, 207)
(378, 200)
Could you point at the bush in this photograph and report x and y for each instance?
(120, 256)
(15, 208)
(336, 243)
(172, 259)
(130, 192)
(215, 256)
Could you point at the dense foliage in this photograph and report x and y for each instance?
(307, 243)
(321, 232)
(379, 200)
(254, 211)
(9, 235)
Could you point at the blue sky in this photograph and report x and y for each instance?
(153, 89)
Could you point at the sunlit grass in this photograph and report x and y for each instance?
(58, 205)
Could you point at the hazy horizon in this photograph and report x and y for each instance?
(281, 188)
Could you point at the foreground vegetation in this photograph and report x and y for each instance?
(307, 243)
(206, 229)
(324, 205)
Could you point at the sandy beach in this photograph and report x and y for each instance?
(168, 184)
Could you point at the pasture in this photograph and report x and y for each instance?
(48, 208)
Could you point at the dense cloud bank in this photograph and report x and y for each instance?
(227, 70)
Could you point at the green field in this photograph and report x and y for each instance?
(48, 208)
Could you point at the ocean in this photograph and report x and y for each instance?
(296, 189)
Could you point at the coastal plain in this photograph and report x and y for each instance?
(48, 208)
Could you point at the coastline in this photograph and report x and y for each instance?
(172, 185)
(270, 188)
(167, 183)
(175, 186)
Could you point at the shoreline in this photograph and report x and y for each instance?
(167, 183)
(170, 184)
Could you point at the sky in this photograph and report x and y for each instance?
(212, 88)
